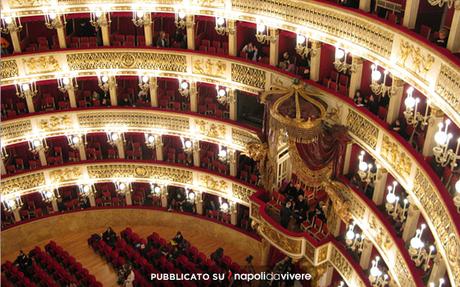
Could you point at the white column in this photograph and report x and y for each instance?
(196, 153)
(113, 91)
(193, 97)
(365, 5)
(164, 196)
(410, 13)
(395, 101)
(105, 29)
(55, 206)
(199, 203)
(42, 157)
(410, 225)
(234, 214)
(315, 61)
(2, 167)
(453, 43)
(274, 46)
(60, 29)
(82, 152)
(233, 104)
(17, 216)
(92, 200)
(346, 161)
(366, 254)
(120, 148)
(128, 198)
(72, 97)
(438, 270)
(190, 26)
(15, 41)
(233, 162)
(356, 76)
(148, 29)
(30, 104)
(159, 148)
(232, 43)
(380, 186)
(432, 128)
(153, 91)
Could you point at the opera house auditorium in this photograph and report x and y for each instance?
(235, 143)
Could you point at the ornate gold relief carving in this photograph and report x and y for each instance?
(421, 63)
(287, 244)
(213, 183)
(255, 211)
(256, 150)
(210, 129)
(382, 238)
(65, 174)
(341, 205)
(8, 69)
(242, 137)
(322, 253)
(363, 129)
(448, 86)
(54, 123)
(396, 157)
(42, 64)
(24, 182)
(209, 67)
(28, 3)
(248, 76)
(119, 60)
(341, 263)
(16, 129)
(241, 192)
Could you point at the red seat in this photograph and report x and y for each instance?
(425, 31)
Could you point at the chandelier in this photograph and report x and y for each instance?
(12, 203)
(66, 83)
(442, 153)
(302, 48)
(10, 24)
(141, 18)
(262, 34)
(54, 20)
(380, 88)
(222, 27)
(418, 252)
(37, 145)
(340, 62)
(99, 18)
(24, 90)
(377, 277)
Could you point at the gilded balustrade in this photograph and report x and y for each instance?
(403, 55)
(60, 176)
(128, 120)
(301, 246)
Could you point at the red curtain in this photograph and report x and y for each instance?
(329, 147)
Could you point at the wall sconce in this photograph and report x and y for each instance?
(144, 83)
(48, 195)
(381, 88)
(187, 145)
(180, 20)
(113, 138)
(223, 154)
(365, 171)
(190, 196)
(418, 252)
(392, 206)
(12, 203)
(222, 28)
(222, 96)
(354, 241)
(123, 186)
(99, 18)
(155, 189)
(24, 90)
(224, 206)
(377, 277)
(441, 3)
(37, 144)
(86, 189)
(184, 88)
(442, 153)
(66, 83)
(340, 62)
(262, 34)
(302, 46)
(341, 284)
(441, 283)
(150, 140)
(106, 82)
(457, 195)
(3, 152)
(54, 20)
(76, 140)
(10, 24)
(412, 115)
(141, 18)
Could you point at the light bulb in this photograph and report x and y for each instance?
(339, 53)
(184, 85)
(410, 90)
(188, 144)
(25, 87)
(86, 188)
(350, 234)
(48, 194)
(375, 271)
(145, 79)
(8, 20)
(75, 140)
(36, 143)
(440, 137)
(65, 81)
(220, 21)
(223, 153)
(391, 198)
(139, 13)
(221, 92)
(376, 75)
(416, 243)
(363, 166)
(115, 136)
(457, 186)
(122, 186)
(151, 139)
(261, 28)
(409, 102)
(52, 15)
(224, 206)
(105, 79)
(11, 203)
(191, 196)
(181, 15)
(98, 14)
(157, 189)
(301, 39)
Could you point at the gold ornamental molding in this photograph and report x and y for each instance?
(392, 155)
(401, 54)
(60, 176)
(127, 120)
(376, 231)
(300, 248)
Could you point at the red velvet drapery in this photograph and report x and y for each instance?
(329, 147)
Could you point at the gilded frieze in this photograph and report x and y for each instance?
(15, 129)
(8, 69)
(412, 58)
(284, 243)
(255, 211)
(65, 174)
(213, 183)
(22, 182)
(127, 60)
(341, 264)
(322, 253)
(210, 129)
(29, 3)
(55, 123)
(448, 86)
(209, 67)
(248, 76)
(242, 137)
(361, 128)
(393, 153)
(42, 64)
(241, 192)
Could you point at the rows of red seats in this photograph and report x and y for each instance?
(12, 276)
